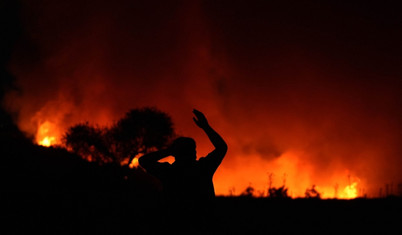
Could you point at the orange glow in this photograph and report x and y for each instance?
(47, 134)
(290, 170)
(350, 191)
(134, 163)
(47, 141)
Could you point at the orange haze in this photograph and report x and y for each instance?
(293, 91)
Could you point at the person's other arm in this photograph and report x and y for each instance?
(150, 161)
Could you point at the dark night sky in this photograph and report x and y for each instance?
(320, 81)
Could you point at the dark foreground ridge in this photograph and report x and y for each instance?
(90, 212)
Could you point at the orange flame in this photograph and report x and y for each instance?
(290, 170)
(350, 191)
(47, 134)
(134, 163)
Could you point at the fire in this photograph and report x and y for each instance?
(47, 141)
(350, 191)
(46, 134)
(134, 163)
(289, 170)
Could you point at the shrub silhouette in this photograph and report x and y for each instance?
(89, 142)
(280, 192)
(248, 192)
(138, 132)
(312, 193)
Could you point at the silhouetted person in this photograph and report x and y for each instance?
(187, 183)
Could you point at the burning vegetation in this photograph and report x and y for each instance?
(147, 129)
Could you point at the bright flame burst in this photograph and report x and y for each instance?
(46, 135)
(47, 141)
(350, 191)
(134, 163)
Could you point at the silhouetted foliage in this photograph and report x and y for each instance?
(280, 192)
(89, 142)
(138, 132)
(312, 193)
(248, 192)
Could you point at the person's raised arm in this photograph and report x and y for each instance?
(151, 159)
(218, 142)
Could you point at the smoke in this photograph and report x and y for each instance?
(308, 92)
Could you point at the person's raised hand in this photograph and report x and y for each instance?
(200, 119)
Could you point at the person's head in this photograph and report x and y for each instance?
(183, 149)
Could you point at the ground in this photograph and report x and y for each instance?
(96, 212)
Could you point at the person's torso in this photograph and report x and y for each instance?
(190, 181)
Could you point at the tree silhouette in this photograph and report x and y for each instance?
(141, 131)
(138, 132)
(90, 142)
